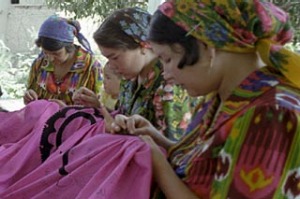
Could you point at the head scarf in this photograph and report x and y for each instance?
(239, 26)
(134, 22)
(64, 30)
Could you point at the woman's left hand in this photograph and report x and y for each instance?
(86, 97)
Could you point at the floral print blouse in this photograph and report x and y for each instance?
(86, 71)
(247, 146)
(167, 107)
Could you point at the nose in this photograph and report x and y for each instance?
(49, 57)
(112, 65)
(167, 76)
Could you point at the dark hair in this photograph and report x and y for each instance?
(111, 35)
(164, 31)
(54, 45)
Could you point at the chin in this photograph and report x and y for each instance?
(192, 93)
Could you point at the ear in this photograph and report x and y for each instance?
(144, 46)
(143, 50)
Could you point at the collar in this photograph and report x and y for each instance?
(79, 65)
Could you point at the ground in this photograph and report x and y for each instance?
(11, 104)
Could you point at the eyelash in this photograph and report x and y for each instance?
(166, 61)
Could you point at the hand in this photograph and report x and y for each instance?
(59, 102)
(134, 125)
(30, 95)
(138, 125)
(86, 97)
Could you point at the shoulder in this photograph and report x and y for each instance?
(40, 62)
(85, 59)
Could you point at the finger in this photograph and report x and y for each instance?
(33, 94)
(87, 91)
(121, 120)
(106, 114)
(27, 98)
(115, 128)
(131, 127)
(90, 100)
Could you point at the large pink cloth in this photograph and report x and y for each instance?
(50, 153)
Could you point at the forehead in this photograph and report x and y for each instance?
(159, 48)
(53, 52)
(167, 49)
(108, 52)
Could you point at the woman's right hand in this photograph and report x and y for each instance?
(86, 97)
(30, 95)
(138, 125)
(133, 125)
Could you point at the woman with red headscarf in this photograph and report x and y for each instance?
(244, 140)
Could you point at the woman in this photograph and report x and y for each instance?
(121, 39)
(244, 140)
(62, 67)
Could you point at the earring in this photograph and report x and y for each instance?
(211, 62)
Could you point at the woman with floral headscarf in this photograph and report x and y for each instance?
(122, 39)
(244, 140)
(62, 67)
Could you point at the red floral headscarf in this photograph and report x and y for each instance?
(239, 26)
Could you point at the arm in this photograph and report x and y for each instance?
(30, 94)
(165, 177)
(95, 79)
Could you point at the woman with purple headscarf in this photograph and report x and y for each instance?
(62, 67)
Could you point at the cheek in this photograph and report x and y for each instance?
(169, 68)
(119, 63)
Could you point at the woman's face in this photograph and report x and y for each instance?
(126, 63)
(198, 79)
(57, 57)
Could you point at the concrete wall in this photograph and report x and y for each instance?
(4, 5)
(19, 23)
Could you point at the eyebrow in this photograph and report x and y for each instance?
(109, 55)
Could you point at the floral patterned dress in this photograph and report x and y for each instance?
(86, 71)
(247, 147)
(167, 107)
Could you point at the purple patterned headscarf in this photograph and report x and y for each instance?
(64, 30)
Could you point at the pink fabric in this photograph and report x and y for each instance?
(87, 163)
